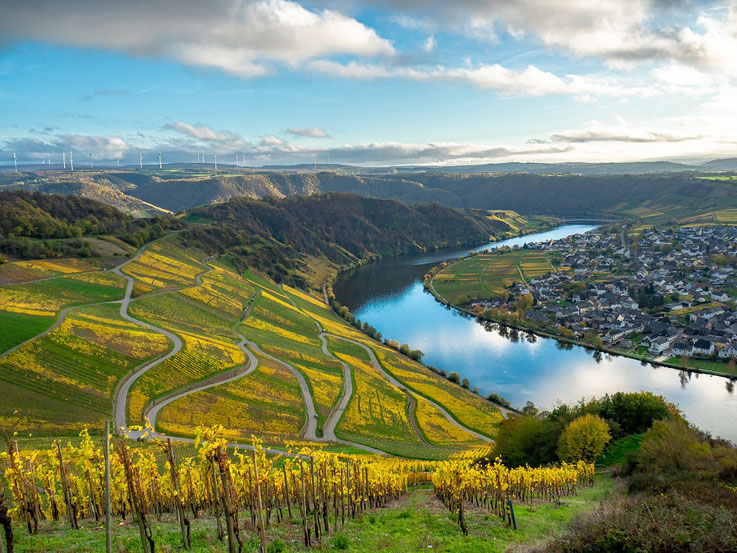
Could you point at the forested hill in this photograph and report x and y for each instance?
(276, 233)
(668, 195)
(36, 225)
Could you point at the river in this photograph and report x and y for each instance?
(389, 295)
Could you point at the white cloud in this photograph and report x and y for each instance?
(530, 81)
(271, 140)
(201, 132)
(310, 132)
(240, 37)
(621, 32)
(596, 132)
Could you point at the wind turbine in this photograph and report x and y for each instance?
(244, 159)
(159, 160)
(90, 161)
(315, 159)
(49, 158)
(64, 160)
(71, 161)
(118, 162)
(140, 160)
(15, 162)
(269, 160)
(216, 162)
(236, 161)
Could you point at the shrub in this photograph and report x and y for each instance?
(341, 542)
(584, 439)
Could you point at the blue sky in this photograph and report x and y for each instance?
(369, 82)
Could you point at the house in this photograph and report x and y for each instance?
(659, 345)
(703, 347)
(682, 348)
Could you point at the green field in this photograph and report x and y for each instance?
(488, 275)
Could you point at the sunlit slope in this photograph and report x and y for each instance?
(65, 379)
(469, 409)
(29, 308)
(266, 403)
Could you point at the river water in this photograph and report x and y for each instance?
(389, 295)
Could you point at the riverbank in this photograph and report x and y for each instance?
(428, 285)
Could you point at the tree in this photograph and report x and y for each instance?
(465, 383)
(671, 446)
(404, 348)
(525, 440)
(584, 439)
(454, 377)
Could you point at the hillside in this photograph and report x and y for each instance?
(159, 335)
(657, 194)
(279, 236)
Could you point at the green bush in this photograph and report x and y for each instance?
(341, 541)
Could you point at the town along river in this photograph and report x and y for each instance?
(389, 295)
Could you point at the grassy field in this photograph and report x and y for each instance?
(64, 380)
(488, 275)
(285, 332)
(377, 413)
(36, 269)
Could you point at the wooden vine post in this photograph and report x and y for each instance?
(108, 505)
(68, 500)
(179, 504)
(259, 507)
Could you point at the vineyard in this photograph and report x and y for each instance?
(198, 342)
(246, 496)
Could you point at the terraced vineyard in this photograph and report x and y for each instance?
(202, 344)
(266, 403)
(29, 308)
(65, 379)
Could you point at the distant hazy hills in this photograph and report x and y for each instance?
(651, 189)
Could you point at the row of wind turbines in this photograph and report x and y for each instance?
(240, 160)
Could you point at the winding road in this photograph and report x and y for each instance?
(153, 409)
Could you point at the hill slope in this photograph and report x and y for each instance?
(657, 193)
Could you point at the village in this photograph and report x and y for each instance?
(663, 294)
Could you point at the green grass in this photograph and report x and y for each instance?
(66, 378)
(488, 275)
(376, 414)
(618, 451)
(19, 327)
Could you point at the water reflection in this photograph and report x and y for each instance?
(517, 365)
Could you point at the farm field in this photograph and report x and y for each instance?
(35, 269)
(488, 275)
(65, 379)
(285, 332)
(30, 308)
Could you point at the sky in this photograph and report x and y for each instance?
(369, 82)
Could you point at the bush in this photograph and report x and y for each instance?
(525, 439)
(454, 377)
(341, 541)
(466, 384)
(584, 439)
(277, 546)
(496, 398)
